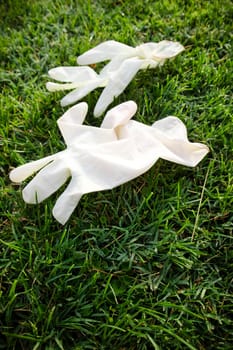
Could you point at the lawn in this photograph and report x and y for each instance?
(149, 264)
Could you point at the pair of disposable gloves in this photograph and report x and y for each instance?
(120, 149)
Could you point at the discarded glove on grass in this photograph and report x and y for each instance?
(102, 158)
(125, 62)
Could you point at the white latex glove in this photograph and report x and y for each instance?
(82, 79)
(103, 158)
(125, 62)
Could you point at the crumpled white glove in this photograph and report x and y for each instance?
(103, 158)
(125, 62)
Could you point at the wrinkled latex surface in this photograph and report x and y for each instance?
(125, 62)
(102, 158)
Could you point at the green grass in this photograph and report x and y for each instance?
(148, 265)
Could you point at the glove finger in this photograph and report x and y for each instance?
(105, 51)
(174, 144)
(185, 153)
(46, 182)
(69, 124)
(80, 92)
(22, 172)
(173, 127)
(51, 86)
(117, 83)
(75, 115)
(119, 115)
(67, 202)
(71, 74)
(167, 49)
